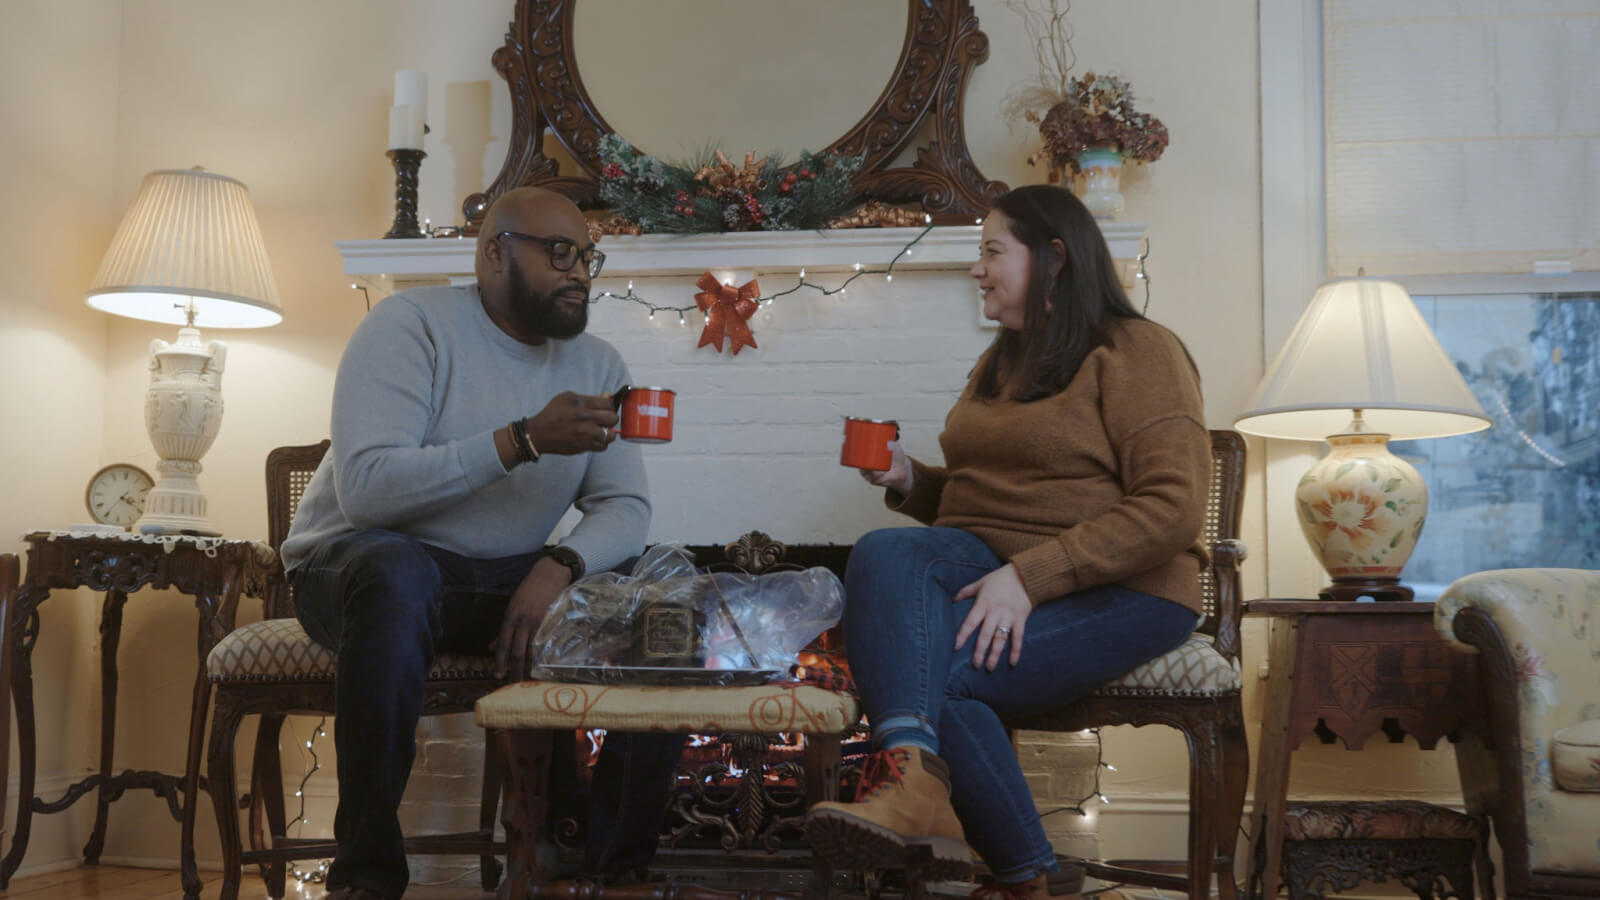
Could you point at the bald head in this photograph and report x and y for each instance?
(532, 265)
(530, 210)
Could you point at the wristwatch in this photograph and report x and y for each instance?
(568, 557)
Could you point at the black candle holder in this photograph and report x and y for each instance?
(406, 165)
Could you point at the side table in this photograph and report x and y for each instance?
(1350, 669)
(205, 568)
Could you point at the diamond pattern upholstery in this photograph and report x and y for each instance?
(1195, 669)
(280, 650)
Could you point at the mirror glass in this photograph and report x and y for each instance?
(773, 76)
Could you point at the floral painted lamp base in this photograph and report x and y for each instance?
(1362, 509)
(1102, 176)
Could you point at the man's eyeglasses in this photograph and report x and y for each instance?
(564, 254)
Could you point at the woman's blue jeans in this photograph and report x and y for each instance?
(388, 605)
(899, 628)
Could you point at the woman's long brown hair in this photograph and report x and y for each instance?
(1065, 316)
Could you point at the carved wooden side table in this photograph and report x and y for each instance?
(120, 565)
(1348, 670)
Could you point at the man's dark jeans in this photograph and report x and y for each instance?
(388, 604)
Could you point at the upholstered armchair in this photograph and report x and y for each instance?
(1537, 632)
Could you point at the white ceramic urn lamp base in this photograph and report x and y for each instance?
(182, 413)
(1362, 510)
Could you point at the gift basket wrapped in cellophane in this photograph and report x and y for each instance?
(667, 622)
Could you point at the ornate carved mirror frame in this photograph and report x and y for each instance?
(943, 44)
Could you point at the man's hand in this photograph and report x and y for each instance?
(574, 423)
(532, 599)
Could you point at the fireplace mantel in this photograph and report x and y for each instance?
(391, 264)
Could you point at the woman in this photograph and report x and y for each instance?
(1065, 551)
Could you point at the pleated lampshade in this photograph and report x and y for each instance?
(190, 237)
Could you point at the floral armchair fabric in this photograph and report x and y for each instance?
(1538, 631)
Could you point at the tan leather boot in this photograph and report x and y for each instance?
(902, 810)
(1066, 884)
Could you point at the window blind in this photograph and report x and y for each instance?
(1462, 136)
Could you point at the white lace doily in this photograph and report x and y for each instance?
(169, 542)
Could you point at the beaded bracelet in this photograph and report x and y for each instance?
(523, 443)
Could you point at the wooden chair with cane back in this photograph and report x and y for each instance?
(1195, 689)
(273, 669)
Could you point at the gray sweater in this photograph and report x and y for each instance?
(425, 381)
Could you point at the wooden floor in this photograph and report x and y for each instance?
(119, 883)
(123, 883)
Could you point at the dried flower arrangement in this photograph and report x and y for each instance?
(1098, 112)
(1076, 114)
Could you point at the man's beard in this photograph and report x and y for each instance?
(545, 314)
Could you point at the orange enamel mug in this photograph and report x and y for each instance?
(645, 414)
(866, 443)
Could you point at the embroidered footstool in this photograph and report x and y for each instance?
(529, 715)
(1333, 846)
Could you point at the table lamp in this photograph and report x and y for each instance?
(188, 252)
(1362, 367)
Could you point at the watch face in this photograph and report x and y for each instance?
(116, 494)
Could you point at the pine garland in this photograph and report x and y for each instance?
(711, 194)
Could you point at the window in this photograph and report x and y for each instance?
(1526, 492)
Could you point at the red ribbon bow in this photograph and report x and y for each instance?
(728, 310)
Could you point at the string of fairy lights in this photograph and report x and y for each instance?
(859, 271)
(319, 873)
(1095, 793)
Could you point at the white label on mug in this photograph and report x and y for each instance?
(654, 412)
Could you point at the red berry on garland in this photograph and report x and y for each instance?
(612, 170)
(806, 173)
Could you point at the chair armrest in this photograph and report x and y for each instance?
(1540, 609)
(1535, 630)
(1229, 552)
(262, 577)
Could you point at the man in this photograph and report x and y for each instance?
(466, 421)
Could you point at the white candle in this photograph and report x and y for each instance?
(411, 89)
(405, 127)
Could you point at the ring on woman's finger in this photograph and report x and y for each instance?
(604, 433)
(1003, 631)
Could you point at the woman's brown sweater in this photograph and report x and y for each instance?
(1102, 483)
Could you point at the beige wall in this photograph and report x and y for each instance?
(58, 67)
(291, 97)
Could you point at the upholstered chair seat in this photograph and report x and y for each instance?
(1195, 669)
(280, 650)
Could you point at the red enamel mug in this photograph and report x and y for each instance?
(866, 443)
(645, 414)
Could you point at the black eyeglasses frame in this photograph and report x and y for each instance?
(593, 257)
